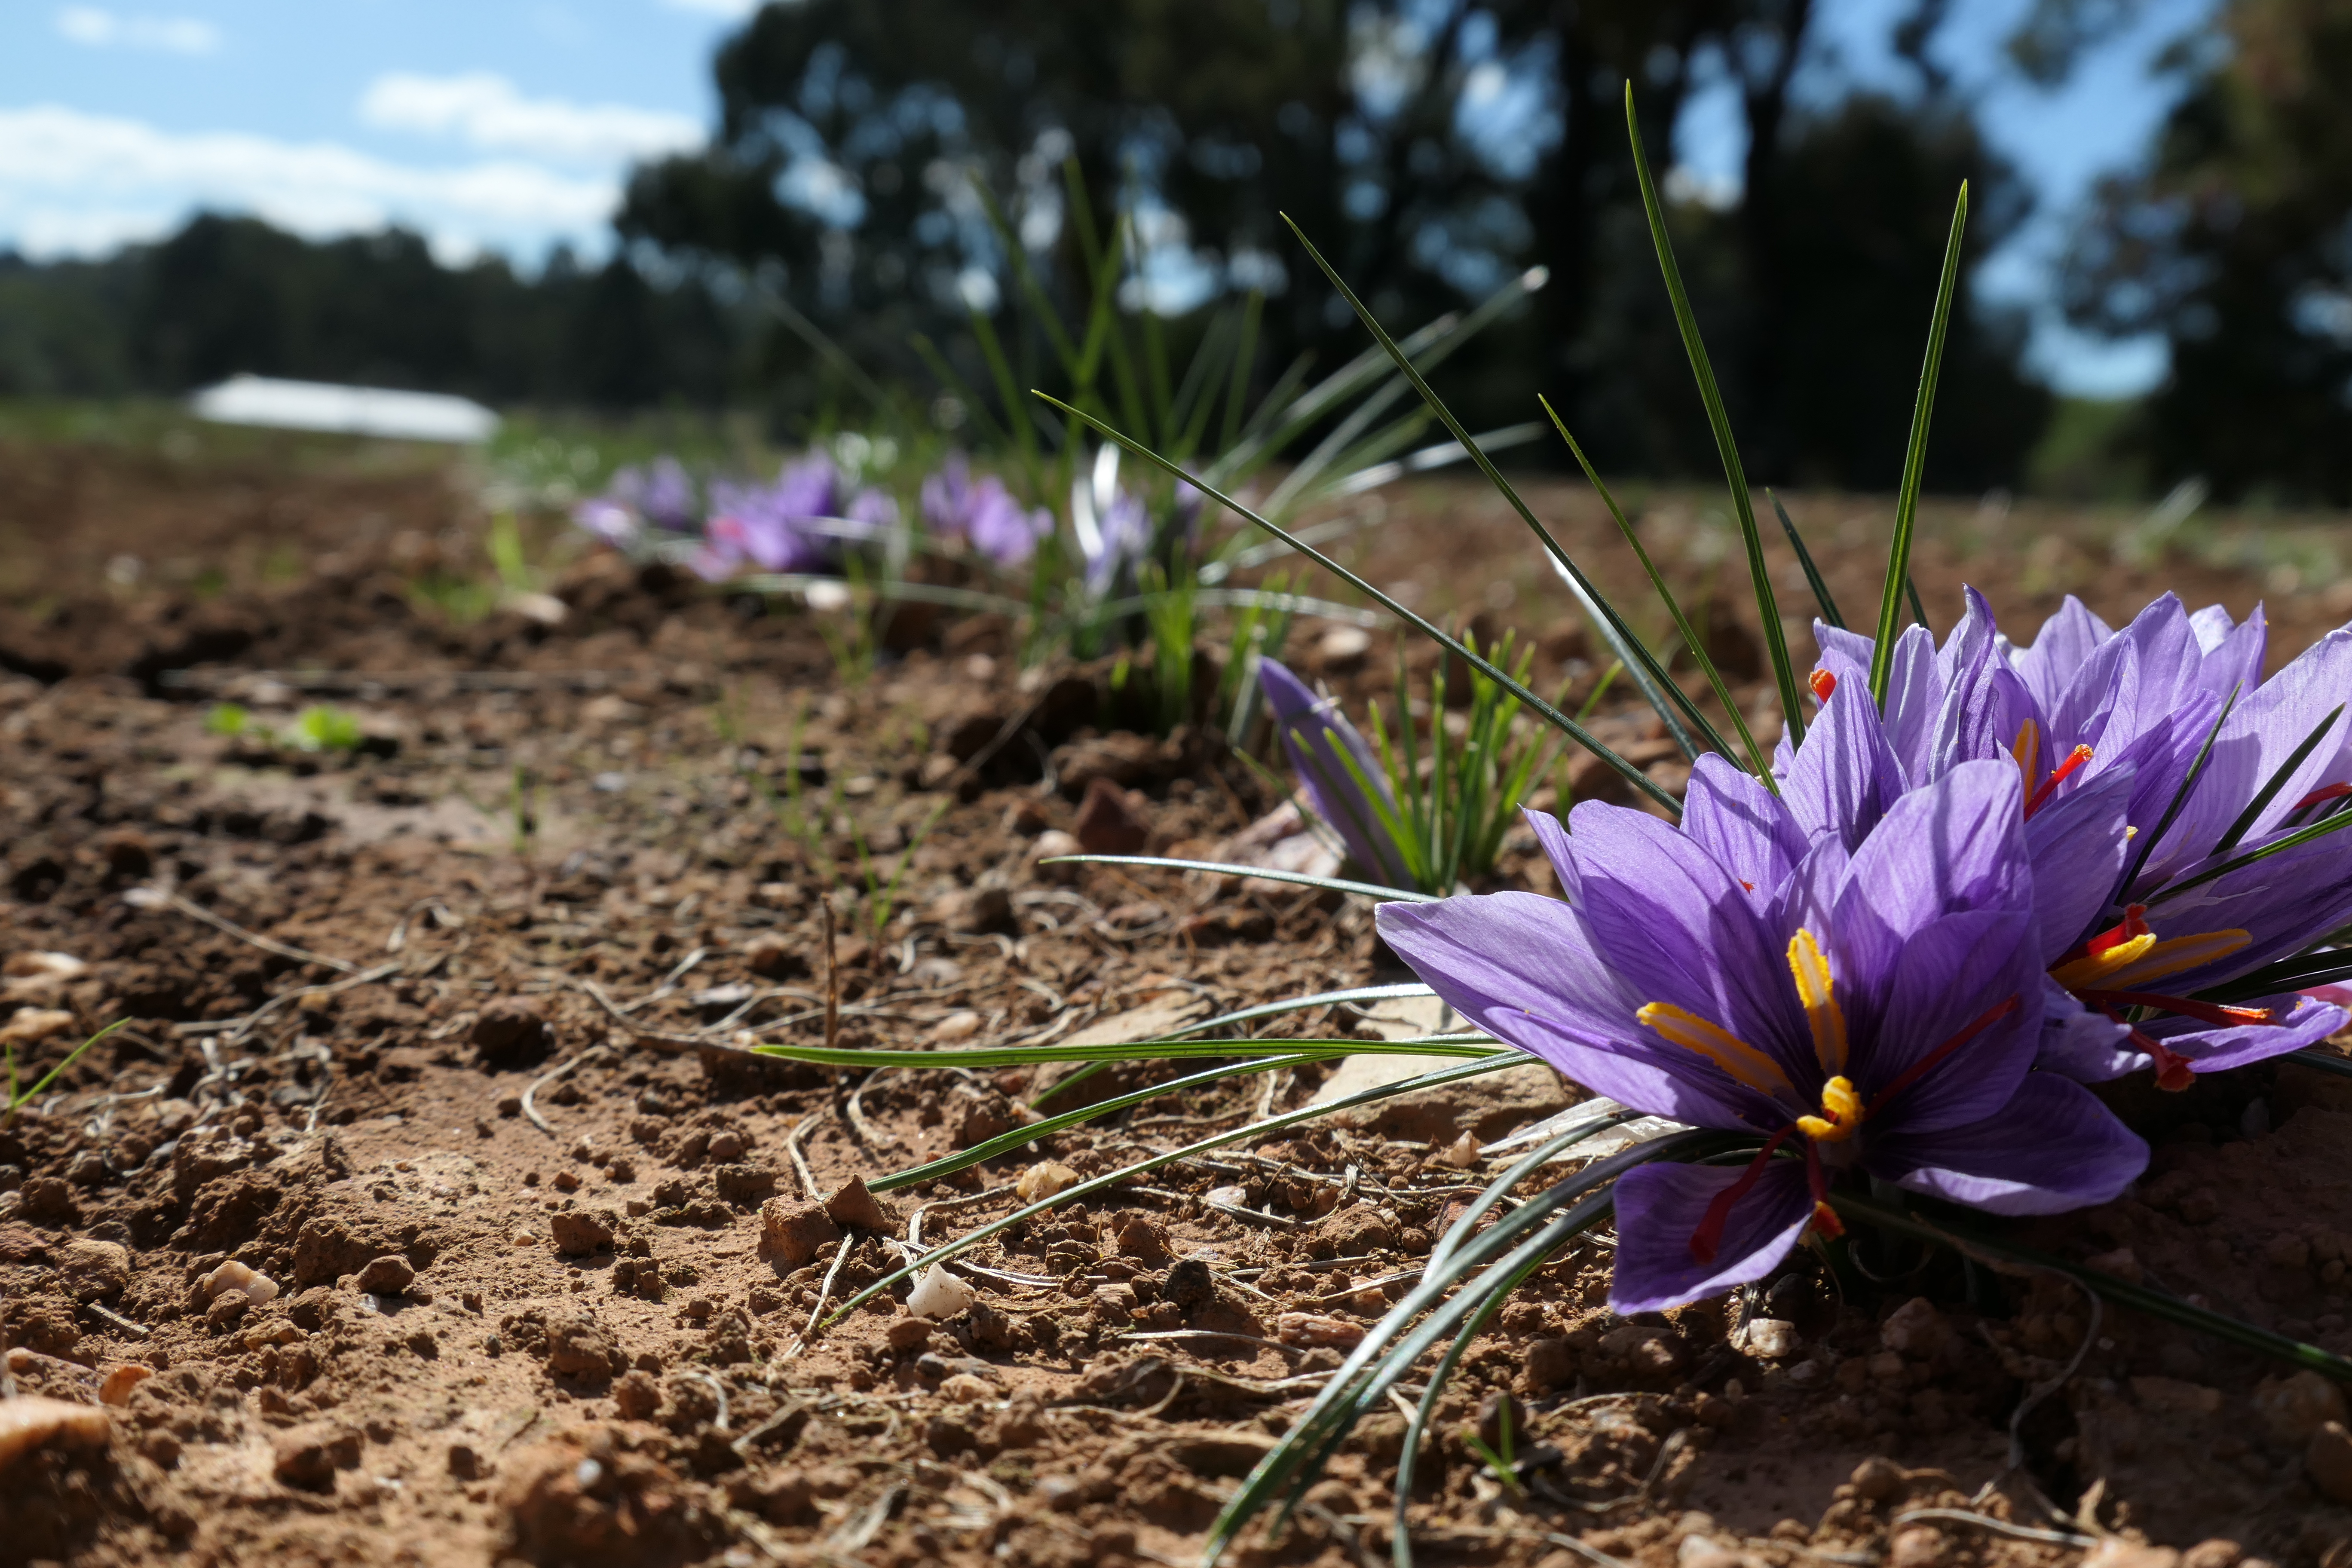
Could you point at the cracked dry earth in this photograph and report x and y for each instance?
(425, 1210)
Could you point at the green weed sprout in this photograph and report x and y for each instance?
(228, 719)
(322, 728)
(16, 1099)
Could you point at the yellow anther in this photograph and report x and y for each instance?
(1841, 1114)
(1744, 1062)
(2174, 955)
(1811, 968)
(2027, 750)
(2091, 971)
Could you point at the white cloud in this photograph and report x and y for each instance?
(70, 179)
(727, 10)
(489, 112)
(104, 29)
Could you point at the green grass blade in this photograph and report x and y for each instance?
(2269, 791)
(1639, 663)
(1166, 1049)
(1373, 1365)
(2122, 1292)
(17, 1100)
(1021, 1137)
(1245, 355)
(1000, 370)
(1301, 1004)
(1805, 559)
(1743, 505)
(2180, 796)
(2295, 841)
(1400, 1527)
(1760, 764)
(2334, 1066)
(1915, 462)
(2297, 973)
(1089, 1187)
(1550, 714)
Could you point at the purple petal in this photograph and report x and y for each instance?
(2052, 1147)
(1328, 755)
(1522, 968)
(1844, 777)
(2080, 1044)
(2078, 848)
(1957, 844)
(1743, 824)
(1552, 834)
(1913, 702)
(2065, 641)
(1951, 975)
(2233, 655)
(1677, 928)
(2303, 1021)
(1660, 1205)
(2283, 903)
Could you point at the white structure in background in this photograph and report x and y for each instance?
(355, 410)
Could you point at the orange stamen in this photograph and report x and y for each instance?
(2212, 1013)
(1823, 682)
(2326, 792)
(2074, 759)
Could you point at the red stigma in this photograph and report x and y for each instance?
(1707, 1240)
(2133, 924)
(1919, 1069)
(2174, 1072)
(2212, 1012)
(1823, 682)
(2074, 759)
(2326, 792)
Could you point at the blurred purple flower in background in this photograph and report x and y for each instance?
(1879, 1012)
(661, 496)
(795, 523)
(981, 510)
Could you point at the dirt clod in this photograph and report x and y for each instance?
(793, 1229)
(581, 1232)
(855, 1208)
(309, 1457)
(390, 1275)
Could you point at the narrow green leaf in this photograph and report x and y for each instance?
(2269, 792)
(1021, 1137)
(2295, 841)
(1760, 764)
(1550, 714)
(1612, 627)
(2335, 1066)
(1805, 559)
(2180, 796)
(1162, 1049)
(1743, 505)
(1915, 461)
(1087, 1188)
(2298, 974)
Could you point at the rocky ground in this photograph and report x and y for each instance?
(426, 1208)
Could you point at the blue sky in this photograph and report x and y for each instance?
(507, 124)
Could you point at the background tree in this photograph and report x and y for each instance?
(2234, 242)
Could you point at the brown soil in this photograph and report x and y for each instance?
(442, 1038)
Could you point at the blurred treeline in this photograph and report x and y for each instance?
(887, 171)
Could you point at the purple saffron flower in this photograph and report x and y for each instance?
(661, 497)
(1879, 1012)
(984, 512)
(1345, 783)
(2105, 728)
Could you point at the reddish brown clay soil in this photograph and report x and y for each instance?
(441, 1040)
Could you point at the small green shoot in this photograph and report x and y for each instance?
(228, 719)
(1501, 1461)
(322, 728)
(523, 802)
(16, 1099)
